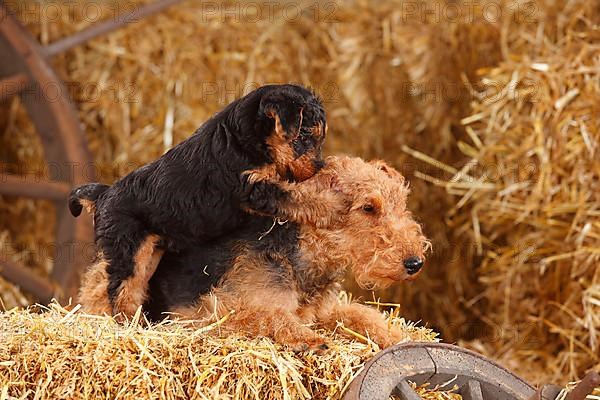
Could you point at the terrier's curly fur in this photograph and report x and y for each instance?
(205, 187)
(279, 279)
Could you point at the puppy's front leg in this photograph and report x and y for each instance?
(313, 201)
(362, 319)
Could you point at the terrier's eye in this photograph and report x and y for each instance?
(369, 208)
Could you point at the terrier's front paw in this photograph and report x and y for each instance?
(394, 336)
(317, 344)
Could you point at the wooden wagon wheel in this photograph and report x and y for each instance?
(26, 71)
(474, 376)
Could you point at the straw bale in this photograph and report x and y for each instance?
(63, 353)
(529, 198)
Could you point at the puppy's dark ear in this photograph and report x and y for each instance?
(75, 206)
(287, 115)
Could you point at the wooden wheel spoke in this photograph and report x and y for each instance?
(27, 280)
(472, 391)
(406, 392)
(15, 185)
(106, 27)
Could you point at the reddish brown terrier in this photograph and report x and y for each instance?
(278, 282)
(281, 279)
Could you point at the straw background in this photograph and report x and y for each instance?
(491, 113)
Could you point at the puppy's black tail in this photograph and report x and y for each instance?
(85, 196)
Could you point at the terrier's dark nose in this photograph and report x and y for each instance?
(413, 265)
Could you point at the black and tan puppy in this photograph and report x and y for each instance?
(237, 162)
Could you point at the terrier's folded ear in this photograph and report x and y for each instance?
(389, 170)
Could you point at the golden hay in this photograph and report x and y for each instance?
(529, 198)
(426, 392)
(68, 354)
